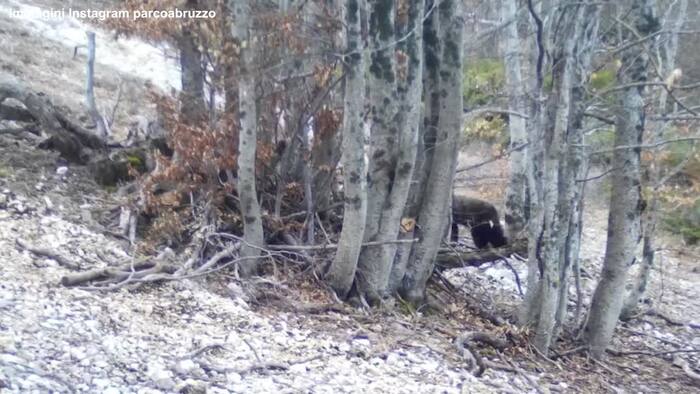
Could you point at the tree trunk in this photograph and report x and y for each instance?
(625, 201)
(394, 143)
(432, 219)
(192, 106)
(250, 208)
(516, 213)
(372, 270)
(341, 272)
(427, 126)
(325, 153)
(90, 91)
(556, 196)
(651, 213)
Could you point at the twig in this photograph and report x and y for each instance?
(515, 274)
(620, 353)
(195, 353)
(495, 158)
(255, 352)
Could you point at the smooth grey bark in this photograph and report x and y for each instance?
(625, 200)
(372, 274)
(394, 144)
(250, 208)
(90, 91)
(432, 218)
(427, 127)
(666, 59)
(574, 163)
(516, 191)
(341, 272)
(561, 155)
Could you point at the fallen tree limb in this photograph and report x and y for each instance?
(670, 320)
(448, 259)
(104, 273)
(62, 261)
(334, 246)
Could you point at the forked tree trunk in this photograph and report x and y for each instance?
(250, 208)
(625, 200)
(341, 272)
(516, 193)
(561, 154)
(427, 126)
(432, 219)
(394, 143)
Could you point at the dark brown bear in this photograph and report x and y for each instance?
(482, 219)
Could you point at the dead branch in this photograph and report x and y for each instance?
(670, 320)
(62, 261)
(447, 260)
(105, 273)
(620, 353)
(474, 360)
(197, 352)
(334, 246)
(267, 366)
(694, 376)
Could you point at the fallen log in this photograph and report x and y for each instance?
(451, 258)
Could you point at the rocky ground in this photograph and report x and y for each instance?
(208, 335)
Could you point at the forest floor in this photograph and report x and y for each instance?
(209, 335)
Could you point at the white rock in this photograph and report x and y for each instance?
(184, 367)
(61, 170)
(233, 377)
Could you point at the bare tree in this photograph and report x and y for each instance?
(552, 179)
(250, 208)
(94, 113)
(516, 192)
(667, 64)
(192, 104)
(625, 203)
(395, 100)
(433, 215)
(427, 126)
(341, 272)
